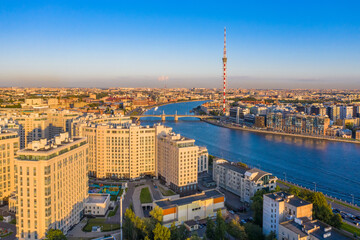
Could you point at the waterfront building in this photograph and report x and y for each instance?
(241, 180)
(334, 112)
(298, 123)
(281, 206)
(9, 145)
(121, 150)
(259, 122)
(51, 186)
(203, 160)
(187, 210)
(177, 159)
(97, 204)
(357, 134)
(304, 229)
(346, 112)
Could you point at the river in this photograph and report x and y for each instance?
(334, 167)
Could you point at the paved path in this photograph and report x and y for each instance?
(77, 232)
(9, 226)
(136, 200)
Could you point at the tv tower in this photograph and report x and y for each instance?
(224, 72)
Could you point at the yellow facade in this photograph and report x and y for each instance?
(123, 151)
(51, 186)
(9, 145)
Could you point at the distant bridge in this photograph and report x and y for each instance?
(176, 116)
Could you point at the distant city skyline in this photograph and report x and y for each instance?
(112, 44)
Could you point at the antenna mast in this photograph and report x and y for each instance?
(224, 72)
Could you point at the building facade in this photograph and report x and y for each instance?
(281, 206)
(203, 162)
(51, 186)
(191, 208)
(177, 159)
(9, 145)
(241, 180)
(121, 150)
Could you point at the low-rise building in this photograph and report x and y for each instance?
(191, 208)
(97, 204)
(306, 229)
(281, 206)
(241, 180)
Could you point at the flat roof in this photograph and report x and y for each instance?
(189, 199)
(97, 198)
(291, 199)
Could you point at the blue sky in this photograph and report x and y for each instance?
(271, 44)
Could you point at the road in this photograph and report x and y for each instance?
(9, 226)
(340, 207)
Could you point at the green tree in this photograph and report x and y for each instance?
(336, 220)
(195, 237)
(129, 229)
(271, 236)
(253, 231)
(220, 228)
(174, 233)
(161, 232)
(183, 232)
(257, 206)
(210, 228)
(55, 234)
(157, 214)
(236, 230)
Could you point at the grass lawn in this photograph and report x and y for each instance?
(145, 196)
(101, 223)
(350, 228)
(113, 212)
(166, 192)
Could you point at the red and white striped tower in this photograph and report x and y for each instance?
(224, 72)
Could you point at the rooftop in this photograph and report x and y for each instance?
(189, 199)
(316, 228)
(289, 198)
(97, 198)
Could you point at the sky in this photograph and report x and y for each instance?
(270, 44)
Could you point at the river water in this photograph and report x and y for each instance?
(334, 167)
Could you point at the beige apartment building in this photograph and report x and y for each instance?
(51, 185)
(9, 145)
(178, 163)
(241, 180)
(280, 207)
(121, 150)
(36, 126)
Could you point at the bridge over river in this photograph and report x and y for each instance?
(176, 116)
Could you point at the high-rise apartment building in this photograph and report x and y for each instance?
(121, 150)
(203, 162)
(177, 159)
(9, 145)
(334, 112)
(51, 185)
(346, 112)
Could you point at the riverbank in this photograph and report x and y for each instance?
(279, 133)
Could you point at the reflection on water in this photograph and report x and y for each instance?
(334, 166)
(305, 142)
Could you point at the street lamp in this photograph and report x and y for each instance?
(284, 176)
(352, 199)
(315, 185)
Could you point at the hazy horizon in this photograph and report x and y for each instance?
(112, 44)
